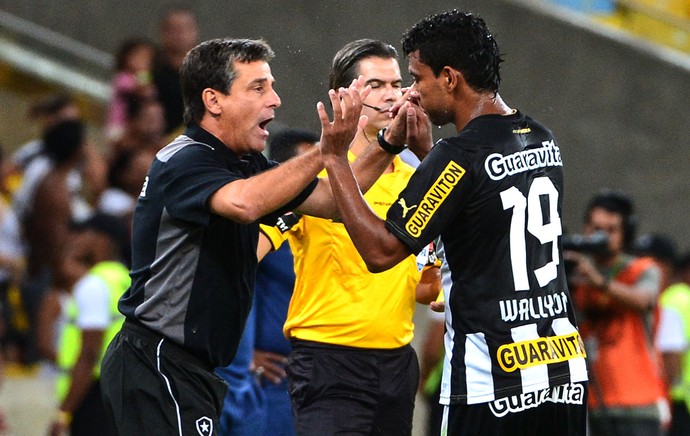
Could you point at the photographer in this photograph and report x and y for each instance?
(616, 294)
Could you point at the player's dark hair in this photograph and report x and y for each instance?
(283, 145)
(211, 64)
(345, 66)
(619, 203)
(459, 40)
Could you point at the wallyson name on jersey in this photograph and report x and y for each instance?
(540, 351)
(433, 198)
(573, 393)
(499, 166)
(529, 309)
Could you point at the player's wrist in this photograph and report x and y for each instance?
(387, 146)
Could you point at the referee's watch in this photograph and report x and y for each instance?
(387, 146)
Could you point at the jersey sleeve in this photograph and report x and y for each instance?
(191, 177)
(278, 232)
(274, 235)
(432, 197)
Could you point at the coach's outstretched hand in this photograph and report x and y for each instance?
(337, 135)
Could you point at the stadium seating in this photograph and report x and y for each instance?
(666, 22)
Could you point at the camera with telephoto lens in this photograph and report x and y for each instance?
(596, 243)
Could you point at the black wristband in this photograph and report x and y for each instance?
(390, 148)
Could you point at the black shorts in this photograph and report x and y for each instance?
(561, 410)
(152, 386)
(346, 390)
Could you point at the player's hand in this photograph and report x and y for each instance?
(438, 306)
(410, 124)
(404, 98)
(418, 136)
(337, 135)
(269, 366)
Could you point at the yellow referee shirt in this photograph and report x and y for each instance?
(336, 300)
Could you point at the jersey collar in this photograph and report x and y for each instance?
(199, 134)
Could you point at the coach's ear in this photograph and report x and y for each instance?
(211, 99)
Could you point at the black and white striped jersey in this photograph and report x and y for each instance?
(494, 195)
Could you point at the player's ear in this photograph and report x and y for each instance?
(211, 101)
(451, 78)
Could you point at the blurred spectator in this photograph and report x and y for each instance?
(143, 128)
(242, 406)
(91, 321)
(430, 371)
(673, 340)
(29, 163)
(133, 65)
(616, 294)
(662, 249)
(3, 422)
(46, 220)
(275, 280)
(289, 143)
(258, 396)
(178, 34)
(11, 271)
(125, 180)
(46, 113)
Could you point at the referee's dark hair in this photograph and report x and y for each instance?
(283, 145)
(460, 40)
(619, 203)
(345, 66)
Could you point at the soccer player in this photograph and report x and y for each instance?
(514, 363)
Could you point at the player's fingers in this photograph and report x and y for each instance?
(400, 102)
(411, 120)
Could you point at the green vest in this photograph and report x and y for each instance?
(116, 277)
(677, 296)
